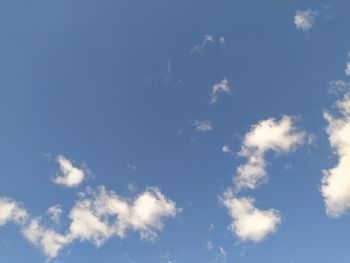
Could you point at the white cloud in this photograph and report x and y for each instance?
(209, 245)
(206, 40)
(222, 255)
(222, 41)
(221, 87)
(304, 20)
(250, 223)
(267, 135)
(226, 149)
(347, 69)
(103, 214)
(55, 213)
(339, 86)
(202, 125)
(132, 187)
(11, 211)
(336, 181)
(347, 66)
(96, 217)
(131, 167)
(209, 39)
(47, 239)
(70, 176)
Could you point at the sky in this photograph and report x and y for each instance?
(161, 131)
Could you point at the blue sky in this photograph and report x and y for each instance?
(114, 115)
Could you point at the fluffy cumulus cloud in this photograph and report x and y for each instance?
(96, 217)
(304, 20)
(221, 87)
(70, 175)
(278, 136)
(203, 126)
(104, 214)
(250, 223)
(46, 238)
(335, 186)
(265, 136)
(11, 211)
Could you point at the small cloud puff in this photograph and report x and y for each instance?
(304, 20)
(70, 176)
(11, 211)
(226, 149)
(250, 223)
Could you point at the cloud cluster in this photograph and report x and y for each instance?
(304, 20)
(221, 87)
(96, 217)
(70, 176)
(266, 136)
(270, 135)
(335, 186)
(249, 222)
(103, 214)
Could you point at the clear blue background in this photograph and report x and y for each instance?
(88, 79)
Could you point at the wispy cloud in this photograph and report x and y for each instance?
(209, 245)
(208, 39)
(221, 256)
(218, 88)
(203, 126)
(304, 19)
(55, 213)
